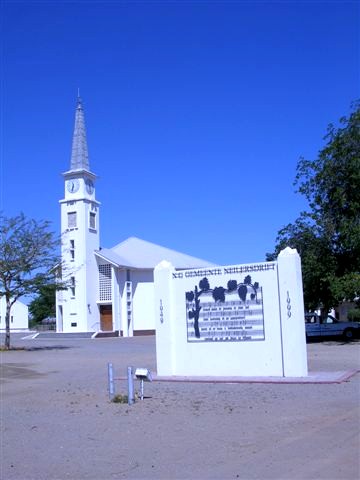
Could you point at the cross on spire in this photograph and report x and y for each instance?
(79, 152)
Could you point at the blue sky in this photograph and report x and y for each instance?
(196, 112)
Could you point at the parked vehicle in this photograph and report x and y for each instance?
(49, 321)
(315, 326)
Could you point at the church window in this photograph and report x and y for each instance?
(105, 282)
(72, 249)
(92, 221)
(72, 220)
(72, 286)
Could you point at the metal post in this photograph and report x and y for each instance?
(111, 381)
(142, 389)
(131, 396)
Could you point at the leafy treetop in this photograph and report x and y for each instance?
(327, 236)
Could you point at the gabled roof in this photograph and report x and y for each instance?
(137, 253)
(109, 256)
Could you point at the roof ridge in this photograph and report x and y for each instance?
(158, 247)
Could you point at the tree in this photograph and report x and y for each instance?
(242, 291)
(44, 304)
(232, 285)
(327, 236)
(194, 296)
(219, 294)
(28, 257)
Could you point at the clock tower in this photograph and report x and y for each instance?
(76, 307)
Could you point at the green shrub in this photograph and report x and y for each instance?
(120, 399)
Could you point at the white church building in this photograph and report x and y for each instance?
(111, 289)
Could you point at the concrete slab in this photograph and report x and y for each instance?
(312, 378)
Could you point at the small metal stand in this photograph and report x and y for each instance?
(141, 389)
(144, 375)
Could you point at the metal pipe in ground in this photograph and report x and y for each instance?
(130, 380)
(111, 381)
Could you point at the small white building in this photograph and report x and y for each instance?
(111, 290)
(19, 316)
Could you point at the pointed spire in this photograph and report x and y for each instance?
(79, 152)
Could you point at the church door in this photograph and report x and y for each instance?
(106, 323)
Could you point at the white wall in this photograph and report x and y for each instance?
(292, 313)
(116, 299)
(19, 316)
(143, 299)
(236, 338)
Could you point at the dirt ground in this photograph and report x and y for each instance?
(57, 421)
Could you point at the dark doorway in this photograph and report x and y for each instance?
(106, 323)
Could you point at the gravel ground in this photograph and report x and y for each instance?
(57, 421)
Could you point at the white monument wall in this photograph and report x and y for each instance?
(252, 326)
(143, 300)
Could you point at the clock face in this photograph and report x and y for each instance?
(73, 185)
(89, 186)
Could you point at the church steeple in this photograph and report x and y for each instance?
(77, 309)
(79, 152)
